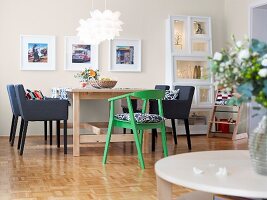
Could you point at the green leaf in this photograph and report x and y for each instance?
(265, 87)
(246, 89)
(232, 101)
(258, 46)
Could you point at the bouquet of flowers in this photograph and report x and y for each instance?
(243, 67)
(87, 74)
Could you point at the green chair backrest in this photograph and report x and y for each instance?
(149, 94)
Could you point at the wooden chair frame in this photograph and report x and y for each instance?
(137, 128)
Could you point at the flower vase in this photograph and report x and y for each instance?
(258, 147)
(83, 84)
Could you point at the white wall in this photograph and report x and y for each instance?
(236, 18)
(143, 19)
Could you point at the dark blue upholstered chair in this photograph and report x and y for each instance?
(177, 109)
(16, 114)
(41, 110)
(15, 111)
(154, 131)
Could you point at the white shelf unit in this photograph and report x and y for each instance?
(188, 45)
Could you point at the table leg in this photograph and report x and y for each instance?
(164, 189)
(76, 124)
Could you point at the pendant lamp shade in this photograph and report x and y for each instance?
(99, 27)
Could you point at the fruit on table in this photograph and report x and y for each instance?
(106, 79)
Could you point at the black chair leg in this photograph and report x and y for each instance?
(153, 143)
(25, 126)
(14, 130)
(11, 128)
(20, 132)
(174, 131)
(186, 123)
(51, 131)
(45, 130)
(58, 134)
(65, 136)
(124, 130)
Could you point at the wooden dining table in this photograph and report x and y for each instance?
(96, 128)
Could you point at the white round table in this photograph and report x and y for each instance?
(241, 180)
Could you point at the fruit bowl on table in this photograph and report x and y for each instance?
(102, 83)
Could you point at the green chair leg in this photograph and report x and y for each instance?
(141, 133)
(108, 137)
(164, 140)
(139, 149)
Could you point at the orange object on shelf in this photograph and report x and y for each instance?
(224, 128)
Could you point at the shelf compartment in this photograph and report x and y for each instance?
(204, 95)
(225, 111)
(201, 47)
(226, 106)
(200, 27)
(179, 35)
(191, 69)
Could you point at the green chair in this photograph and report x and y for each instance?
(137, 121)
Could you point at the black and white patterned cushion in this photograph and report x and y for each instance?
(171, 94)
(140, 117)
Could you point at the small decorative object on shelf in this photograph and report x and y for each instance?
(199, 29)
(178, 40)
(197, 72)
(244, 67)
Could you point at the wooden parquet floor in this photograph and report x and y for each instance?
(44, 172)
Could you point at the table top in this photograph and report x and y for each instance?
(241, 180)
(105, 90)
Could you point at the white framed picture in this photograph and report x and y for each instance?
(37, 52)
(79, 55)
(125, 55)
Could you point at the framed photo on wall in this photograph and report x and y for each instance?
(125, 55)
(37, 52)
(79, 56)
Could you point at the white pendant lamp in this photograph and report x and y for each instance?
(100, 26)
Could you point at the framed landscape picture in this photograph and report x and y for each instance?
(125, 55)
(79, 56)
(37, 52)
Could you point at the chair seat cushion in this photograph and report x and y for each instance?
(171, 94)
(34, 95)
(140, 117)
